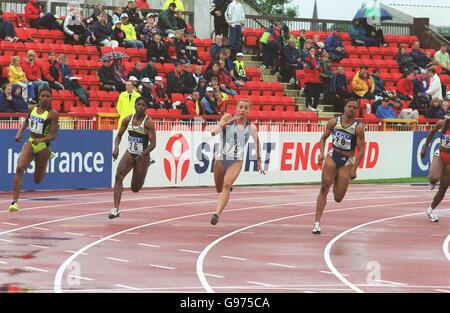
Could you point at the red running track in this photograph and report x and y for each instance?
(377, 240)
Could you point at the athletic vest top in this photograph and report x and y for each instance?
(234, 141)
(39, 123)
(240, 68)
(137, 136)
(344, 138)
(445, 135)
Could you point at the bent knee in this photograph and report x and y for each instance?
(136, 189)
(226, 186)
(338, 198)
(20, 170)
(38, 180)
(324, 188)
(219, 189)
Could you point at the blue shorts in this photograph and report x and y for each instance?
(226, 162)
(341, 160)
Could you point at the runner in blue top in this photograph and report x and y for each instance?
(340, 164)
(235, 132)
(141, 141)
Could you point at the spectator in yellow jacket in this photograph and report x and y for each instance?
(125, 103)
(130, 40)
(363, 84)
(178, 3)
(17, 76)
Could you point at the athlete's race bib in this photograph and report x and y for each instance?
(445, 141)
(135, 145)
(342, 140)
(233, 149)
(36, 125)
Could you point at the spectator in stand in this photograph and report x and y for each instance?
(420, 86)
(380, 89)
(19, 103)
(312, 81)
(221, 99)
(402, 113)
(51, 72)
(325, 75)
(69, 81)
(181, 23)
(33, 70)
(126, 101)
(209, 102)
(148, 30)
(150, 70)
(405, 61)
(339, 89)
(119, 71)
(435, 109)
(276, 48)
(264, 47)
(75, 31)
(191, 50)
(374, 34)
(167, 22)
(287, 36)
(180, 45)
(202, 84)
(7, 30)
(301, 39)
(445, 107)
(363, 84)
(385, 111)
(143, 4)
(117, 13)
(442, 58)
(198, 74)
(135, 82)
(193, 104)
(146, 91)
(422, 59)
(178, 3)
(162, 100)
(130, 40)
(171, 48)
(137, 71)
(103, 32)
(101, 9)
(218, 9)
(358, 33)
(158, 50)
(213, 72)
(17, 76)
(189, 82)
(133, 13)
(239, 70)
(225, 80)
(38, 19)
(290, 61)
(107, 79)
(6, 99)
(118, 33)
(318, 45)
(335, 46)
(175, 82)
(216, 47)
(405, 87)
(308, 44)
(435, 86)
(235, 17)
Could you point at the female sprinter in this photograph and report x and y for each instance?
(444, 157)
(141, 141)
(42, 121)
(235, 132)
(340, 164)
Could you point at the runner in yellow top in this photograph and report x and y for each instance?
(42, 121)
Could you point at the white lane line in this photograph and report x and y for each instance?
(58, 277)
(445, 247)
(233, 258)
(118, 260)
(41, 228)
(149, 245)
(259, 284)
(6, 240)
(442, 290)
(11, 224)
(72, 252)
(215, 276)
(127, 287)
(331, 273)
(79, 277)
(162, 266)
(189, 251)
(73, 234)
(3, 262)
(201, 258)
(39, 246)
(327, 251)
(390, 282)
(282, 265)
(36, 269)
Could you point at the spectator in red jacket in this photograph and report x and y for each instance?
(193, 104)
(225, 80)
(312, 80)
(142, 4)
(52, 73)
(405, 87)
(162, 100)
(33, 70)
(38, 19)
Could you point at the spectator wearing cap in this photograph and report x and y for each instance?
(150, 70)
(235, 17)
(167, 22)
(335, 46)
(218, 9)
(147, 31)
(442, 58)
(239, 70)
(130, 40)
(189, 82)
(145, 89)
(126, 101)
(158, 50)
(103, 32)
(178, 3)
(363, 84)
(175, 82)
(209, 102)
(191, 50)
(135, 82)
(118, 33)
(290, 61)
(162, 100)
(384, 110)
(193, 104)
(134, 14)
(435, 87)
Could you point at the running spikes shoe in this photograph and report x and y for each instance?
(316, 230)
(114, 213)
(432, 186)
(433, 217)
(214, 219)
(14, 207)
